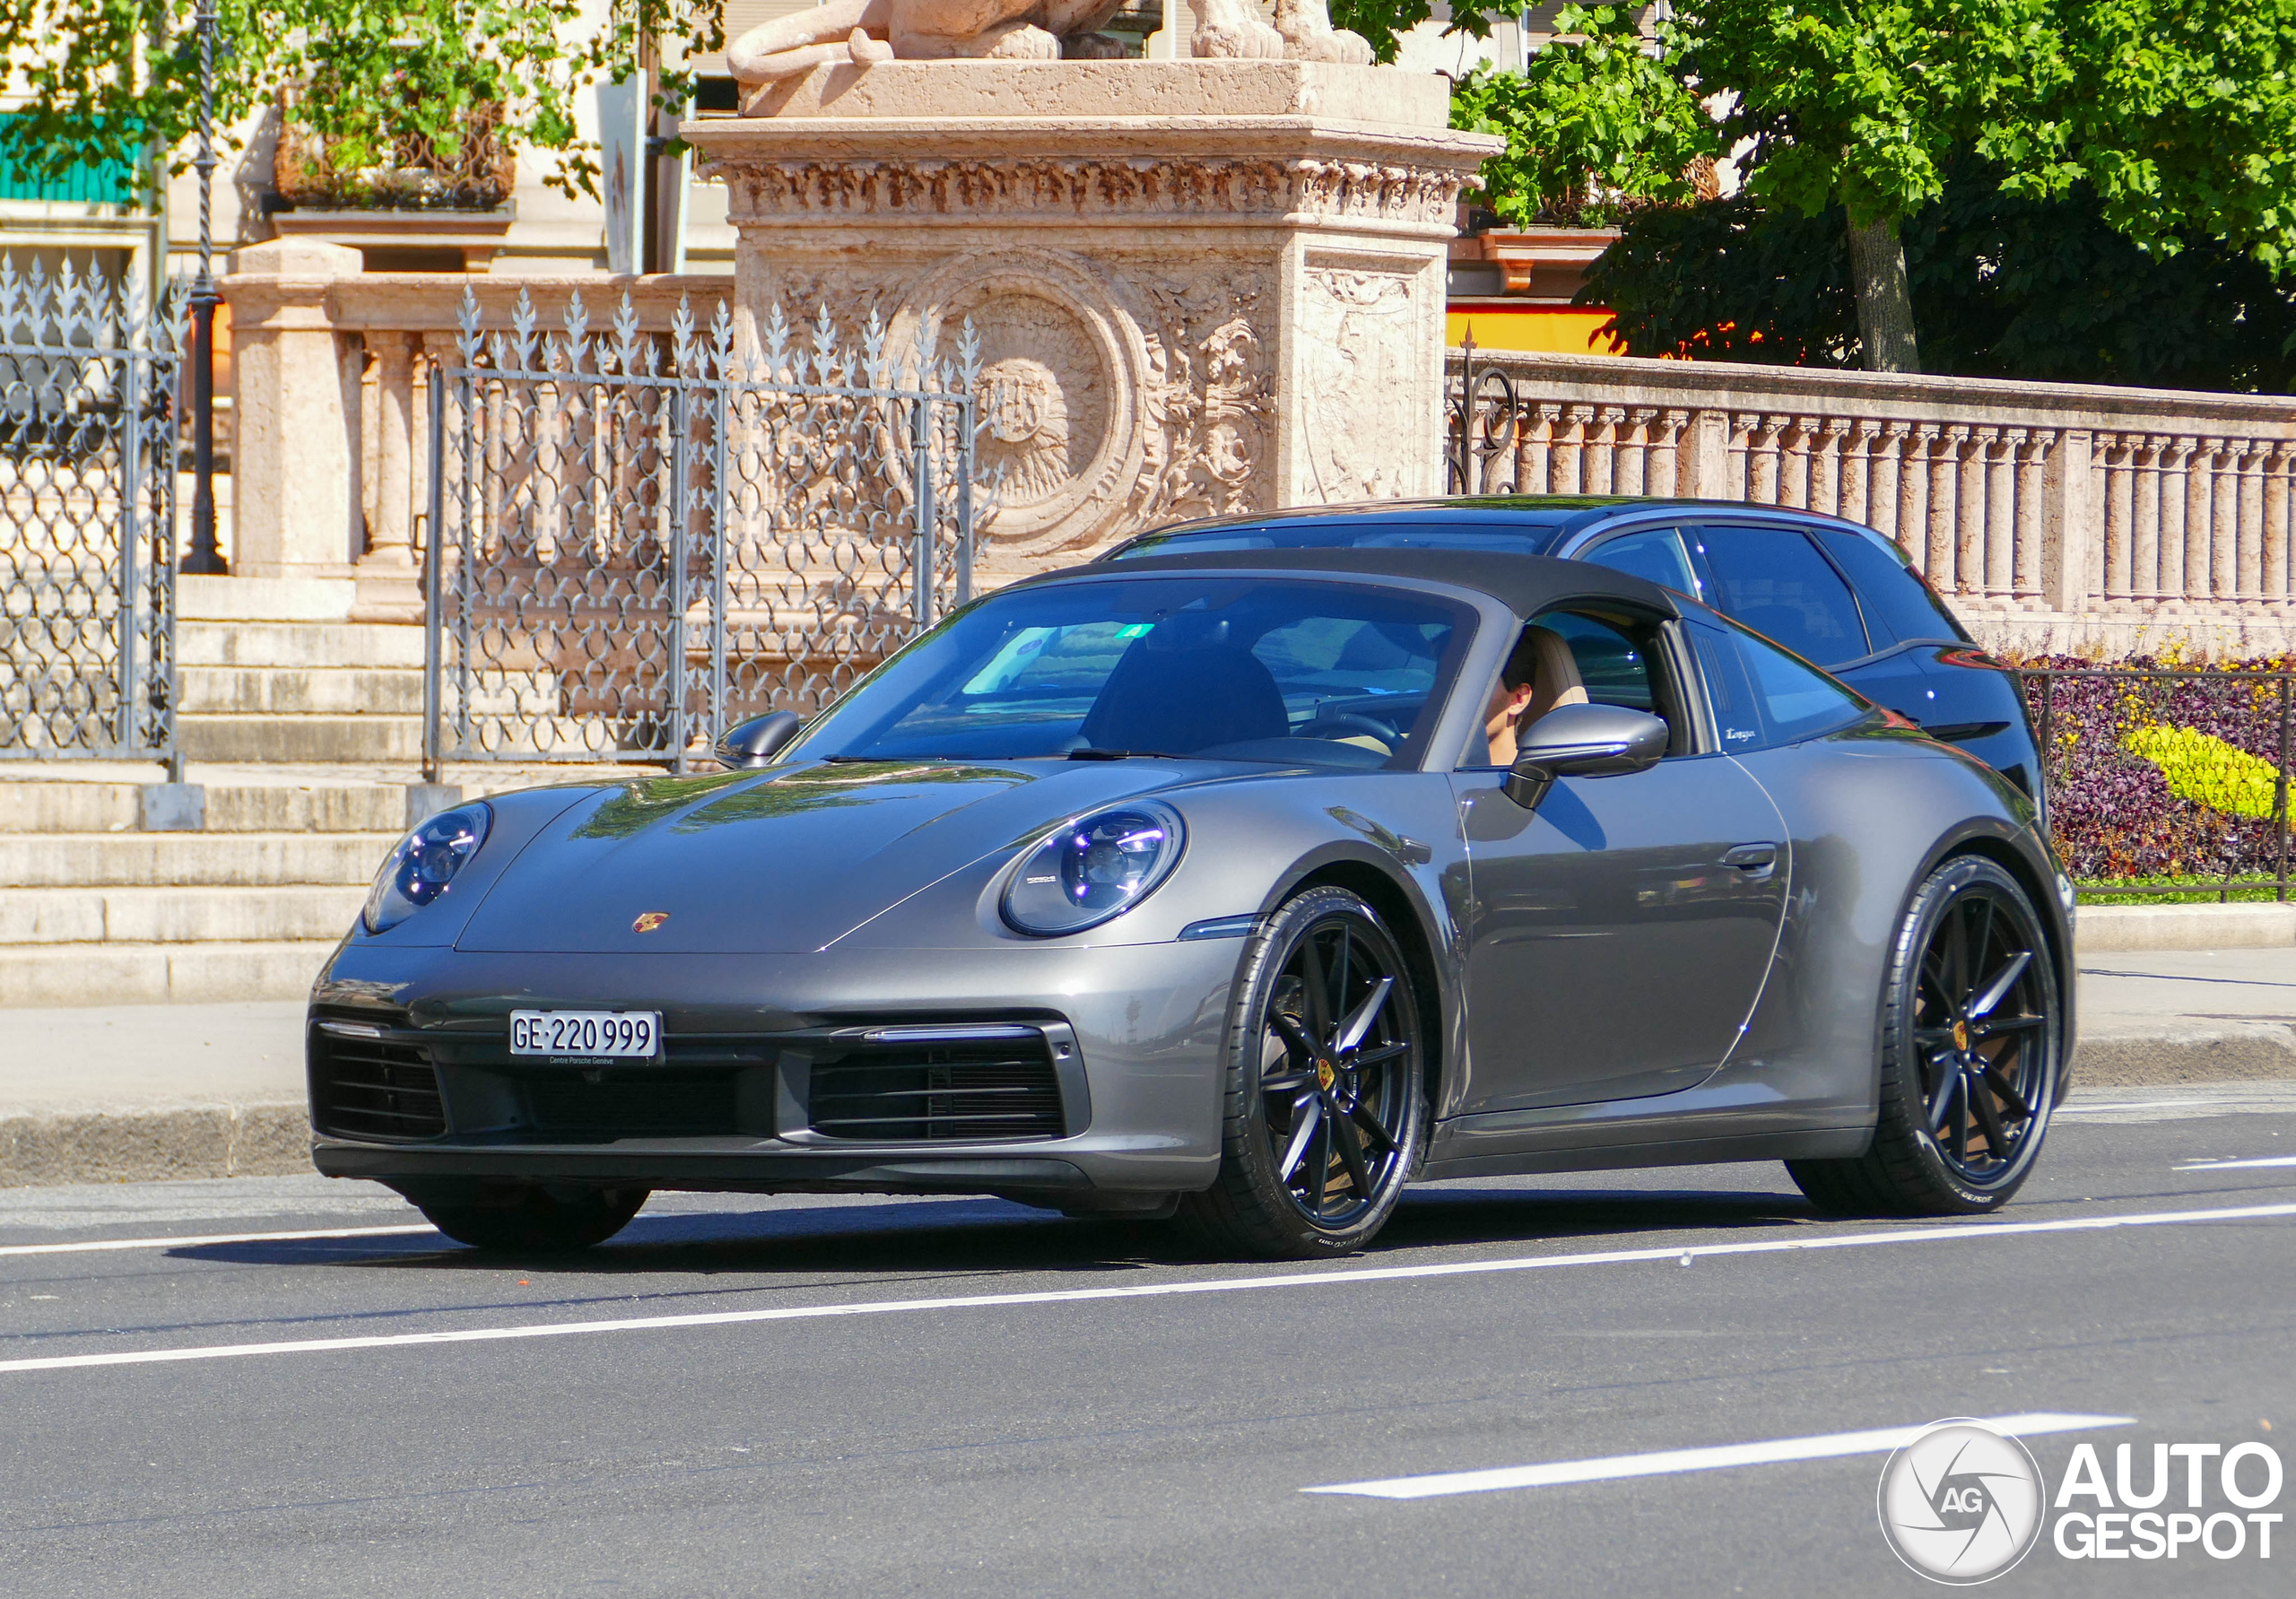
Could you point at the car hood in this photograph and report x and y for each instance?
(775, 861)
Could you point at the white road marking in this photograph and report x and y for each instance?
(215, 1238)
(1879, 1440)
(2077, 1109)
(2239, 1165)
(2266, 1097)
(1962, 1233)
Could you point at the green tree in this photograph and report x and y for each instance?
(110, 80)
(2178, 115)
(2003, 284)
(1600, 121)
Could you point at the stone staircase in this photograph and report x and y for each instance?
(96, 912)
(304, 730)
(273, 670)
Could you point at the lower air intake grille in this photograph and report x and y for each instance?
(992, 1089)
(372, 1087)
(647, 1104)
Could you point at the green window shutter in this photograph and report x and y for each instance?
(90, 183)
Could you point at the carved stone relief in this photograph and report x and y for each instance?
(1211, 400)
(1062, 366)
(1025, 436)
(1268, 187)
(1364, 394)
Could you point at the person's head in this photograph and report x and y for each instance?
(1518, 682)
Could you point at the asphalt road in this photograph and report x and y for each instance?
(1101, 1441)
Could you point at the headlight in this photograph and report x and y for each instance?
(1094, 869)
(425, 862)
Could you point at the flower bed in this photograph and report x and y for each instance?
(2157, 769)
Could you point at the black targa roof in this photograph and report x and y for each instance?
(1524, 583)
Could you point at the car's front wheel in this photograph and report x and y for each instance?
(530, 1216)
(1325, 1110)
(1972, 1048)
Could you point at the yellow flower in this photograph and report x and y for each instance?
(2207, 771)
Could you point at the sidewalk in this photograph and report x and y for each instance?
(138, 1093)
(132, 1093)
(2163, 1016)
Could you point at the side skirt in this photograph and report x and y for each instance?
(1822, 1143)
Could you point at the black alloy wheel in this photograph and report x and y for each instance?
(1326, 1109)
(533, 1218)
(1971, 1055)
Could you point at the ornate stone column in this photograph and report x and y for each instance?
(295, 465)
(1202, 286)
(389, 590)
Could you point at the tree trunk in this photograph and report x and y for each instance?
(1884, 302)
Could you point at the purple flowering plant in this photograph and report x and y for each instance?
(2160, 768)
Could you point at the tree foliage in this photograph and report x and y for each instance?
(1585, 127)
(109, 79)
(1860, 104)
(2178, 116)
(2004, 285)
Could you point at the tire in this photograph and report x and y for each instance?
(531, 1217)
(1967, 1086)
(1319, 1132)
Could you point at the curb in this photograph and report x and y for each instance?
(2102, 929)
(154, 1143)
(2136, 1055)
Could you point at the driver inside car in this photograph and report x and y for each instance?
(1540, 674)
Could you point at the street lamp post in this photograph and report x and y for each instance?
(205, 559)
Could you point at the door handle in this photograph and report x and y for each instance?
(1755, 861)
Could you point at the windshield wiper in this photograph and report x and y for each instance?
(1124, 755)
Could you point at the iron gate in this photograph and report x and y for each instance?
(638, 539)
(87, 516)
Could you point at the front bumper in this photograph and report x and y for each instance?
(1131, 1035)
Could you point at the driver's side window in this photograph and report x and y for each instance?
(1571, 657)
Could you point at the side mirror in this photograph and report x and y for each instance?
(757, 741)
(1584, 741)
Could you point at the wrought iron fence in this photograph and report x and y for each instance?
(636, 540)
(87, 514)
(2165, 778)
(1484, 430)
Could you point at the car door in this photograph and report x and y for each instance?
(1621, 932)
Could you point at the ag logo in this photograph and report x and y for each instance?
(1962, 1502)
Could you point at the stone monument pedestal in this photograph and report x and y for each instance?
(1201, 287)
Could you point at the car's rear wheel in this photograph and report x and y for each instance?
(530, 1217)
(1973, 1051)
(1325, 1110)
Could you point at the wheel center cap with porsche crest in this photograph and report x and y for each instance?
(1961, 1037)
(1325, 1074)
(649, 921)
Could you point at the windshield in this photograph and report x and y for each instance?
(1226, 668)
(1514, 536)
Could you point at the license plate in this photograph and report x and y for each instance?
(589, 1035)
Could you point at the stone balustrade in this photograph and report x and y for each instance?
(2056, 516)
(331, 402)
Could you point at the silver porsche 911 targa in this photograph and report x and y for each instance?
(1244, 888)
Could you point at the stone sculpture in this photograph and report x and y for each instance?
(862, 32)
(1194, 288)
